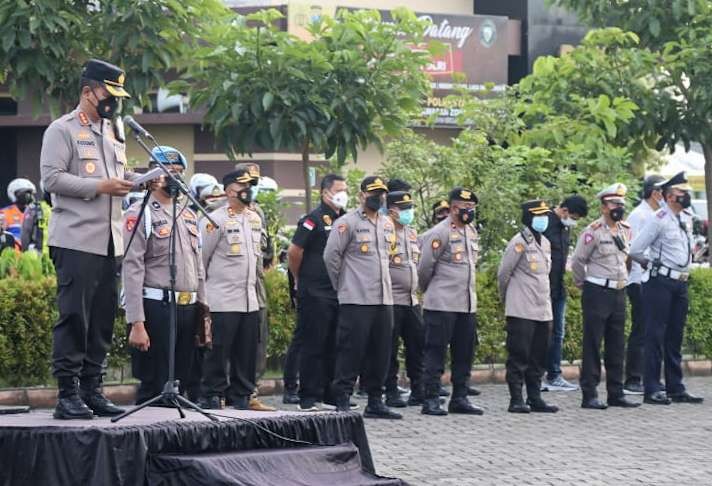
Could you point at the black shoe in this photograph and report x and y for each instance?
(210, 403)
(538, 405)
(377, 409)
(394, 400)
(308, 405)
(657, 398)
(72, 407)
(290, 397)
(473, 392)
(633, 388)
(463, 405)
(518, 406)
(90, 392)
(415, 400)
(241, 403)
(443, 392)
(622, 402)
(329, 404)
(685, 397)
(431, 406)
(593, 404)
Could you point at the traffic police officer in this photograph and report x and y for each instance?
(83, 165)
(523, 280)
(446, 274)
(666, 236)
(146, 280)
(35, 225)
(599, 267)
(356, 257)
(317, 302)
(21, 193)
(231, 254)
(407, 317)
(6, 238)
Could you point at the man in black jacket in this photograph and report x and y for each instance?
(561, 220)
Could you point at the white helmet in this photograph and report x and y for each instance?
(199, 181)
(211, 191)
(19, 185)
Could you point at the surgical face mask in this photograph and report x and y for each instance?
(254, 191)
(466, 215)
(373, 202)
(108, 107)
(405, 216)
(617, 213)
(340, 199)
(540, 223)
(569, 222)
(685, 200)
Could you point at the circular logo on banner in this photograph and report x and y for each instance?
(488, 33)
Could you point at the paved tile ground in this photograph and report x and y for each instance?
(650, 445)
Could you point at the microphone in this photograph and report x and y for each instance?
(137, 128)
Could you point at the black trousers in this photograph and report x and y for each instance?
(603, 319)
(291, 359)
(527, 343)
(87, 299)
(235, 337)
(363, 341)
(317, 321)
(407, 324)
(459, 331)
(151, 367)
(667, 303)
(634, 361)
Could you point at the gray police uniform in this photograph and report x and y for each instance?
(667, 239)
(356, 258)
(599, 266)
(232, 255)
(84, 239)
(146, 282)
(263, 333)
(407, 317)
(446, 274)
(523, 281)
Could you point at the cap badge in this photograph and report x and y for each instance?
(121, 78)
(466, 195)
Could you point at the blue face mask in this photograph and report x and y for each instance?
(254, 190)
(540, 223)
(405, 217)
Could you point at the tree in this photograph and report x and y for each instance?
(679, 32)
(355, 82)
(44, 43)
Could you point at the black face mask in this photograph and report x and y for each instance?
(373, 202)
(439, 217)
(245, 196)
(466, 215)
(25, 198)
(107, 107)
(685, 200)
(617, 214)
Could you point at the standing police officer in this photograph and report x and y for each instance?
(407, 319)
(523, 280)
(231, 254)
(146, 279)
(356, 258)
(441, 209)
(446, 274)
(317, 303)
(666, 237)
(599, 267)
(83, 166)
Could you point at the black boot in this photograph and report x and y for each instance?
(90, 390)
(431, 406)
(592, 402)
(394, 400)
(416, 395)
(535, 402)
(463, 405)
(377, 409)
(69, 405)
(291, 397)
(516, 402)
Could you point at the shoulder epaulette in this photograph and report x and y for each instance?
(595, 225)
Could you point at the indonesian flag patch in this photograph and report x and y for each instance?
(309, 224)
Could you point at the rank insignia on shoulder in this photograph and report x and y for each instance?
(83, 119)
(625, 224)
(595, 225)
(327, 219)
(587, 238)
(519, 248)
(131, 223)
(435, 244)
(308, 224)
(342, 228)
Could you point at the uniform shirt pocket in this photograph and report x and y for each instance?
(159, 239)
(457, 251)
(234, 244)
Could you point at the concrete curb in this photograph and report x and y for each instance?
(45, 397)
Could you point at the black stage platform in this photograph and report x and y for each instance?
(154, 446)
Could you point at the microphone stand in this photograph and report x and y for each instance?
(171, 390)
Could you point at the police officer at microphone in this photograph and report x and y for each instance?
(666, 236)
(83, 166)
(599, 266)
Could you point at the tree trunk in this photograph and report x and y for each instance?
(707, 151)
(307, 186)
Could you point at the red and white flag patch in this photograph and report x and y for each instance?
(309, 224)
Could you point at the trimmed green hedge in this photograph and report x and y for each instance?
(27, 314)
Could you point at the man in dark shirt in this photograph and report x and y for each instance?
(561, 220)
(317, 304)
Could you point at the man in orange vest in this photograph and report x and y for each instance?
(22, 193)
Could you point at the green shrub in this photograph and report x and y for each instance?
(281, 315)
(699, 320)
